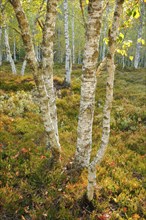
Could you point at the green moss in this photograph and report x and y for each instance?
(30, 189)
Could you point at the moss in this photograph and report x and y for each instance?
(30, 190)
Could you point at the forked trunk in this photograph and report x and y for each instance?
(43, 76)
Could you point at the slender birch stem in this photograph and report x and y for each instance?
(87, 102)
(108, 101)
(138, 45)
(23, 67)
(67, 46)
(8, 51)
(47, 60)
(1, 46)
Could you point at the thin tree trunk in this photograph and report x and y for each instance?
(108, 101)
(105, 31)
(67, 46)
(14, 49)
(1, 55)
(23, 67)
(47, 61)
(59, 46)
(79, 57)
(42, 75)
(88, 86)
(123, 62)
(8, 52)
(138, 45)
(73, 35)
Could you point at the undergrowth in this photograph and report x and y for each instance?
(30, 190)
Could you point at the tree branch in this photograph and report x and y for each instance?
(83, 16)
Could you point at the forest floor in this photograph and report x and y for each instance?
(30, 191)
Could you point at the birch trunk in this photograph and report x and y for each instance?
(67, 46)
(1, 46)
(8, 51)
(40, 73)
(138, 45)
(23, 67)
(88, 86)
(108, 101)
(14, 50)
(73, 35)
(105, 31)
(47, 60)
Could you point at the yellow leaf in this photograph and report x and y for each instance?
(131, 58)
(121, 35)
(140, 40)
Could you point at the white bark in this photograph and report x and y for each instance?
(108, 101)
(0, 45)
(23, 67)
(123, 62)
(14, 50)
(47, 62)
(67, 45)
(43, 73)
(105, 32)
(88, 86)
(8, 51)
(138, 45)
(73, 35)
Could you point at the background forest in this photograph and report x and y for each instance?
(31, 187)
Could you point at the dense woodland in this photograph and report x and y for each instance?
(72, 108)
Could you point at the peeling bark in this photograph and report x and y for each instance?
(67, 46)
(108, 101)
(47, 60)
(88, 86)
(42, 74)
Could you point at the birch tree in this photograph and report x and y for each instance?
(103, 50)
(8, 51)
(140, 28)
(23, 67)
(43, 74)
(88, 86)
(113, 33)
(0, 45)
(67, 45)
(73, 35)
